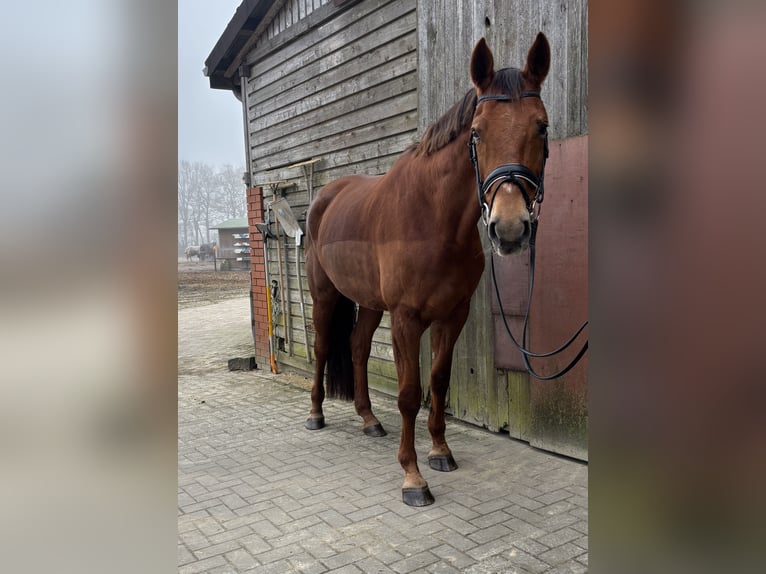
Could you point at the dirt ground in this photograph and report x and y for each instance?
(199, 284)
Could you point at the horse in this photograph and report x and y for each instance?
(191, 251)
(408, 242)
(206, 250)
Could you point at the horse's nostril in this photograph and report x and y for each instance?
(492, 231)
(526, 229)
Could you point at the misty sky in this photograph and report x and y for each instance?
(209, 121)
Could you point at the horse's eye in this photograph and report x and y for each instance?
(475, 136)
(542, 129)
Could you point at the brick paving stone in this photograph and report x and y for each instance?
(560, 554)
(306, 564)
(583, 559)
(559, 537)
(216, 549)
(442, 568)
(456, 540)
(568, 569)
(488, 549)
(489, 534)
(202, 565)
(413, 563)
(278, 567)
(257, 492)
(344, 558)
(530, 546)
(491, 519)
(241, 560)
(449, 555)
(526, 561)
(184, 555)
(348, 569)
(374, 566)
(231, 534)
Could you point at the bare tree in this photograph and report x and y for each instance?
(232, 200)
(205, 198)
(206, 194)
(185, 202)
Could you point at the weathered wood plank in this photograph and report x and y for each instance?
(315, 53)
(342, 141)
(347, 162)
(308, 82)
(518, 404)
(395, 77)
(335, 137)
(324, 20)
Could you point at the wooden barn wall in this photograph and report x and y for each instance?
(337, 84)
(488, 387)
(448, 30)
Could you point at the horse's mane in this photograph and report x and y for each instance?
(444, 130)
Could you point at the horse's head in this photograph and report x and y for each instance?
(509, 143)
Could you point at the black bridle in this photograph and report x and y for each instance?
(514, 173)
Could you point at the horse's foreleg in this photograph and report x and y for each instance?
(361, 343)
(444, 334)
(406, 330)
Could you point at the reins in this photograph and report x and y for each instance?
(512, 173)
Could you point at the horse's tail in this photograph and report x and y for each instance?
(340, 368)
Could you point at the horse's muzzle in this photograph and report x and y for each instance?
(508, 238)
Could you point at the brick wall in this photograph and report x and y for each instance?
(258, 278)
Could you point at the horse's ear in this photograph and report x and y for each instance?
(482, 65)
(538, 60)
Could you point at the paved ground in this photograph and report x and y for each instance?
(259, 493)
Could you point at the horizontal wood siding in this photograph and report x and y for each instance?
(339, 85)
(288, 15)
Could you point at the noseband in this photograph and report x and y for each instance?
(508, 172)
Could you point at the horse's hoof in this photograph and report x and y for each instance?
(417, 496)
(315, 423)
(375, 430)
(442, 462)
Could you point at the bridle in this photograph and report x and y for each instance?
(508, 172)
(513, 173)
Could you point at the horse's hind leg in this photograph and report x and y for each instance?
(361, 343)
(322, 317)
(325, 297)
(444, 334)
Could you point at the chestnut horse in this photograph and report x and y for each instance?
(408, 242)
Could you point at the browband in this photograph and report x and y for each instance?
(506, 98)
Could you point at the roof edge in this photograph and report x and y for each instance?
(237, 33)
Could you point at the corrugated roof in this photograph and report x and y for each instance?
(237, 223)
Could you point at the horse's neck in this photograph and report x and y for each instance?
(451, 182)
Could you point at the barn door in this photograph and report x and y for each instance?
(550, 414)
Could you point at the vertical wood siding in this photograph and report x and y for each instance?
(448, 30)
(339, 86)
(487, 386)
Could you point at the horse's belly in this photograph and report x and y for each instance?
(353, 269)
